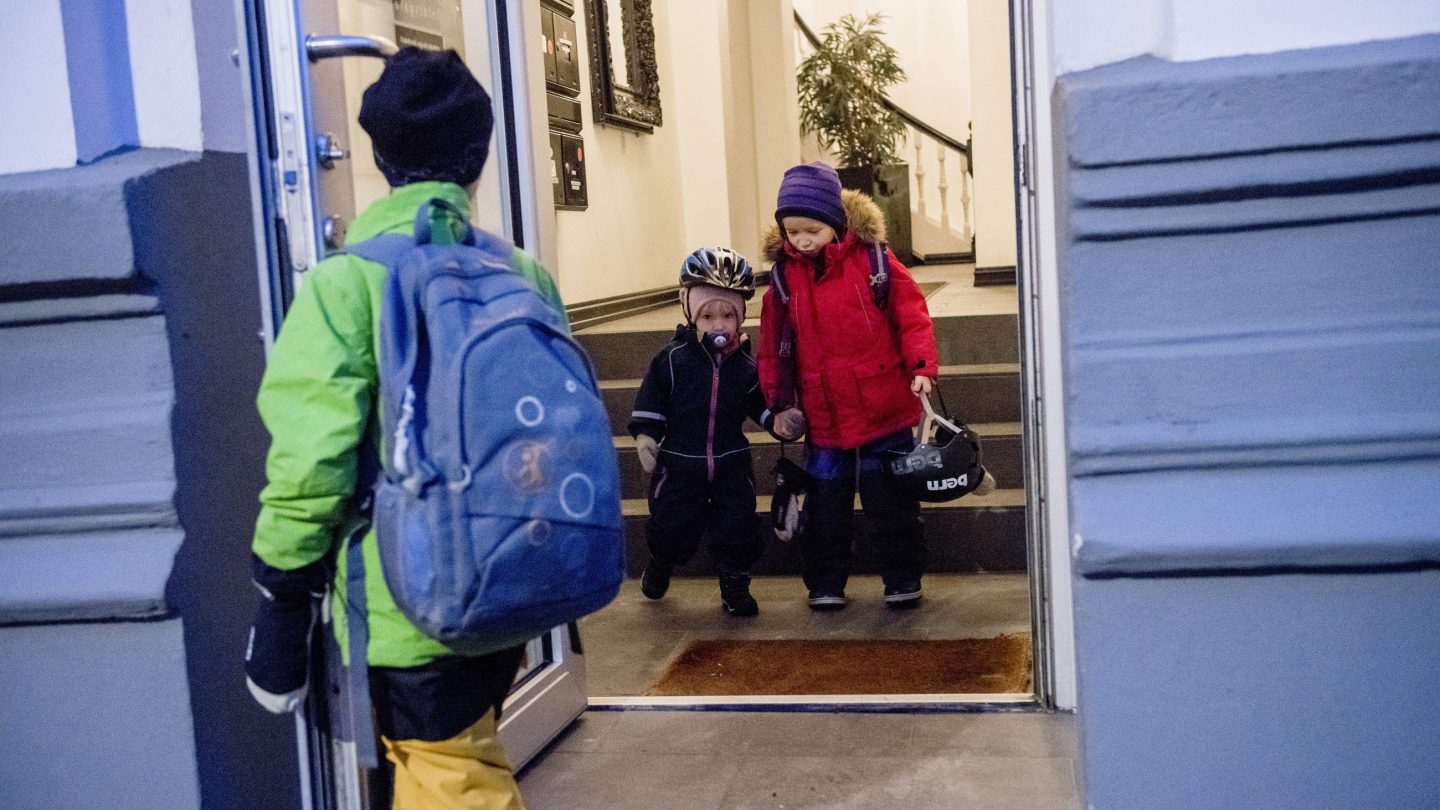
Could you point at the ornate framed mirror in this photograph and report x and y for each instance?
(624, 77)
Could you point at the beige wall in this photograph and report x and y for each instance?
(994, 133)
(953, 73)
(633, 235)
(709, 174)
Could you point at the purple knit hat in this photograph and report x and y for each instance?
(812, 190)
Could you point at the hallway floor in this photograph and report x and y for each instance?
(629, 642)
(644, 758)
(689, 760)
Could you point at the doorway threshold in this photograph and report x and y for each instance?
(861, 704)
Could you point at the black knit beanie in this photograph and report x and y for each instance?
(428, 118)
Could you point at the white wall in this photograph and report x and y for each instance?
(939, 54)
(708, 175)
(38, 130)
(164, 73)
(932, 41)
(1095, 32)
(39, 126)
(632, 236)
(695, 113)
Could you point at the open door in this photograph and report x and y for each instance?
(314, 59)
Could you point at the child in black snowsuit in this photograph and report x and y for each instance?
(688, 428)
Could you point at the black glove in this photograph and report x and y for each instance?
(787, 513)
(277, 656)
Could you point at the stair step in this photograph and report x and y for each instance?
(984, 392)
(1001, 445)
(974, 534)
(962, 339)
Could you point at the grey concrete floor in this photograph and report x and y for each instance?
(629, 643)
(688, 760)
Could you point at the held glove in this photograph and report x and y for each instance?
(648, 449)
(790, 424)
(277, 655)
(787, 507)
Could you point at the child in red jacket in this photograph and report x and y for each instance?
(833, 359)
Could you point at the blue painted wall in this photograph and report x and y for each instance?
(102, 96)
(1251, 325)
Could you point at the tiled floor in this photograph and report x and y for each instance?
(629, 642)
(685, 760)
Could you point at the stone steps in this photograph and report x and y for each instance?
(960, 339)
(1000, 445)
(976, 394)
(971, 535)
(981, 385)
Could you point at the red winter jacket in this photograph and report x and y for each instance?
(853, 363)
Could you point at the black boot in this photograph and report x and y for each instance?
(655, 581)
(735, 596)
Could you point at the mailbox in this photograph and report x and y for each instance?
(572, 171)
(567, 55)
(547, 33)
(562, 105)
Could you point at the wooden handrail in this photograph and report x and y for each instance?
(905, 115)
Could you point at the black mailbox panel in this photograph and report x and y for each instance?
(572, 164)
(547, 32)
(567, 54)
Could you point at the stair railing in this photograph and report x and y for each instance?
(920, 132)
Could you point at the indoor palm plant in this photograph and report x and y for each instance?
(842, 101)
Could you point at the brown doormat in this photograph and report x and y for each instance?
(817, 667)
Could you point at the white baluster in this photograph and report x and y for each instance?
(944, 188)
(968, 232)
(919, 173)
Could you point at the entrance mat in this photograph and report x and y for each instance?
(849, 667)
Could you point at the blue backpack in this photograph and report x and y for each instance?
(497, 508)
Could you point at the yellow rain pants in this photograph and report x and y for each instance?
(466, 772)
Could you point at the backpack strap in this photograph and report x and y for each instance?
(777, 280)
(786, 348)
(385, 248)
(432, 226)
(357, 625)
(880, 275)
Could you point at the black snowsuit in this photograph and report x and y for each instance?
(694, 401)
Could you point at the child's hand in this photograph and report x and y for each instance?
(648, 449)
(790, 424)
(921, 385)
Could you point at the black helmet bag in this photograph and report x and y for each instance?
(945, 463)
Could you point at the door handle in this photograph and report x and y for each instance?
(329, 46)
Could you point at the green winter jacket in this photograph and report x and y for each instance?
(317, 397)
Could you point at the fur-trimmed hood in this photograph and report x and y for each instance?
(863, 220)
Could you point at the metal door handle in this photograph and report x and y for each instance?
(329, 46)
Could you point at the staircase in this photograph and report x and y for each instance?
(981, 385)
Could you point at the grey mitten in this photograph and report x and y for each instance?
(649, 450)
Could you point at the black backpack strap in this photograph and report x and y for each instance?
(786, 349)
(777, 280)
(880, 275)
